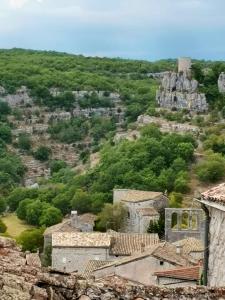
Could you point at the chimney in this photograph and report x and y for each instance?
(74, 219)
(179, 249)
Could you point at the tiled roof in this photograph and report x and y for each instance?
(65, 225)
(188, 273)
(150, 211)
(128, 243)
(215, 194)
(81, 239)
(163, 251)
(190, 245)
(33, 259)
(139, 196)
(93, 265)
(168, 252)
(87, 218)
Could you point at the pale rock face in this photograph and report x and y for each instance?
(181, 92)
(221, 83)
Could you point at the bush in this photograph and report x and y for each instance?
(2, 205)
(42, 153)
(24, 142)
(3, 227)
(175, 200)
(50, 216)
(31, 240)
(212, 169)
(56, 165)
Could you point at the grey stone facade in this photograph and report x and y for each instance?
(71, 259)
(181, 223)
(135, 201)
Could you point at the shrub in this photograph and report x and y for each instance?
(3, 227)
(31, 240)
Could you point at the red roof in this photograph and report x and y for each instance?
(189, 273)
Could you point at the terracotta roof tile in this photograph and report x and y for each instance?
(139, 196)
(128, 243)
(81, 239)
(188, 273)
(93, 265)
(190, 245)
(163, 251)
(215, 194)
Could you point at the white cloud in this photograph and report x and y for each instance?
(20, 3)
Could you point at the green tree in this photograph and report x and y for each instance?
(112, 216)
(21, 210)
(3, 205)
(212, 168)
(34, 211)
(81, 202)
(50, 216)
(31, 240)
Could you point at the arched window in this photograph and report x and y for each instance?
(185, 220)
(194, 222)
(174, 221)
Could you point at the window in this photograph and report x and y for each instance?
(128, 215)
(161, 263)
(174, 221)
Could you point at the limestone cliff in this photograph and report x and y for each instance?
(180, 91)
(23, 279)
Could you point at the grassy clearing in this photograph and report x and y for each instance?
(14, 225)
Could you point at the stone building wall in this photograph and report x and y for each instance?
(172, 282)
(75, 259)
(140, 271)
(216, 268)
(181, 223)
(133, 223)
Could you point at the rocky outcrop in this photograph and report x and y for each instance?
(180, 91)
(221, 83)
(20, 279)
(21, 97)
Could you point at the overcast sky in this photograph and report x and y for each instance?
(142, 29)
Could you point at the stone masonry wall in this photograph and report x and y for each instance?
(216, 271)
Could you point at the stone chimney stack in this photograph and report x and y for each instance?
(179, 249)
(74, 219)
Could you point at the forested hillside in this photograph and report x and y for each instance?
(57, 110)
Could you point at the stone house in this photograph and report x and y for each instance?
(213, 202)
(71, 251)
(182, 276)
(192, 246)
(76, 223)
(142, 208)
(141, 266)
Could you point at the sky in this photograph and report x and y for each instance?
(138, 29)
